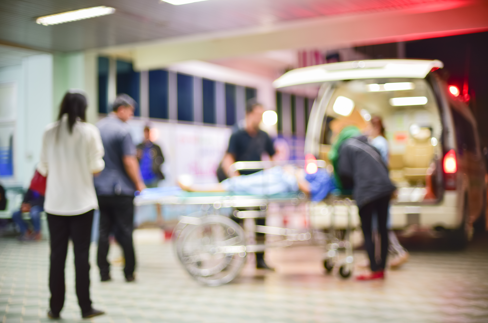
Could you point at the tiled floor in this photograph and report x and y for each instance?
(435, 286)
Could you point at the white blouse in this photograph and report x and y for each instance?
(69, 161)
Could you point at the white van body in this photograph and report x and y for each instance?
(434, 150)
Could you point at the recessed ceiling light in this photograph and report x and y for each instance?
(407, 101)
(75, 15)
(179, 2)
(397, 86)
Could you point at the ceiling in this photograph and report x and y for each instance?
(149, 20)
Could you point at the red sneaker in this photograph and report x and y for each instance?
(372, 276)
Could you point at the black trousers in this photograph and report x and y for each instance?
(380, 207)
(117, 217)
(62, 229)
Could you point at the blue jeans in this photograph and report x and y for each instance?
(35, 215)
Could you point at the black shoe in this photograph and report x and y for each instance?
(261, 264)
(105, 278)
(130, 278)
(53, 316)
(92, 313)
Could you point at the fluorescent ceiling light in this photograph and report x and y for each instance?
(398, 86)
(343, 106)
(75, 15)
(180, 2)
(407, 101)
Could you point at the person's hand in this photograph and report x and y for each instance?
(140, 186)
(25, 207)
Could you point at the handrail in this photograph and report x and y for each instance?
(259, 165)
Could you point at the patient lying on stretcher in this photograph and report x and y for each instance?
(273, 181)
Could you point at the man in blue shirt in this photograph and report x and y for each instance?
(151, 159)
(116, 186)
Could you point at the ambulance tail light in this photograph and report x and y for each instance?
(449, 166)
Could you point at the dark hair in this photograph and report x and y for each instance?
(74, 105)
(123, 100)
(377, 122)
(251, 105)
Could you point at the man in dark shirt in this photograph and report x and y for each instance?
(116, 186)
(249, 143)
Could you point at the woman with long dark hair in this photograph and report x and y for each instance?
(72, 153)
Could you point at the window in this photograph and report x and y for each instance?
(279, 111)
(293, 113)
(306, 112)
(158, 94)
(251, 93)
(128, 82)
(103, 67)
(230, 104)
(208, 96)
(184, 85)
(8, 109)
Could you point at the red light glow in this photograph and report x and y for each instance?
(450, 162)
(454, 90)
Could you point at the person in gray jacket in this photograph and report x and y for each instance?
(359, 167)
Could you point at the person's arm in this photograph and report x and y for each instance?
(96, 153)
(42, 166)
(132, 168)
(130, 162)
(25, 207)
(230, 157)
(303, 185)
(270, 147)
(227, 161)
(160, 155)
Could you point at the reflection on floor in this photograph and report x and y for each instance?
(434, 286)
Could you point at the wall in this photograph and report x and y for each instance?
(33, 111)
(194, 150)
(76, 71)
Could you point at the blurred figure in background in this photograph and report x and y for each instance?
(379, 141)
(71, 154)
(34, 204)
(249, 144)
(358, 166)
(151, 158)
(116, 186)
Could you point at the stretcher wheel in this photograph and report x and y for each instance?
(345, 271)
(213, 251)
(328, 265)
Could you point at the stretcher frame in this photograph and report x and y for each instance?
(213, 248)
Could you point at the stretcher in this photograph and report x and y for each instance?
(212, 247)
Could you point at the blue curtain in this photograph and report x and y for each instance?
(230, 104)
(103, 66)
(158, 94)
(128, 82)
(209, 113)
(185, 97)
